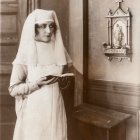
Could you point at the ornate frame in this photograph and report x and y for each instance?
(119, 34)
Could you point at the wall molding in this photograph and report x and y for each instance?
(5, 68)
(122, 97)
(114, 93)
(114, 87)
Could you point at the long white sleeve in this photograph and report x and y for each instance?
(18, 84)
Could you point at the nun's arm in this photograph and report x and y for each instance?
(18, 87)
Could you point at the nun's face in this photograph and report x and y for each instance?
(44, 31)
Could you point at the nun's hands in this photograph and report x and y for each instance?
(43, 81)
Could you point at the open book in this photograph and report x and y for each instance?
(59, 76)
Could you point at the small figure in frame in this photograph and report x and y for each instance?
(118, 40)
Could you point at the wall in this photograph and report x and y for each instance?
(76, 44)
(114, 84)
(76, 52)
(76, 33)
(99, 66)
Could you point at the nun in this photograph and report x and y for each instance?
(39, 104)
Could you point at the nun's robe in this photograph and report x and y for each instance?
(40, 111)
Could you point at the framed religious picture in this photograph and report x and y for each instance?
(119, 34)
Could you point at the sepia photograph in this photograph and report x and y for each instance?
(69, 70)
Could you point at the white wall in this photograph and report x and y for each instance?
(99, 67)
(76, 45)
(76, 33)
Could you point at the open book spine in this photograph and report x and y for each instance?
(66, 74)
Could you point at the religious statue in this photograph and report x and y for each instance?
(118, 36)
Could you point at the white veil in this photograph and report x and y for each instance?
(27, 52)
